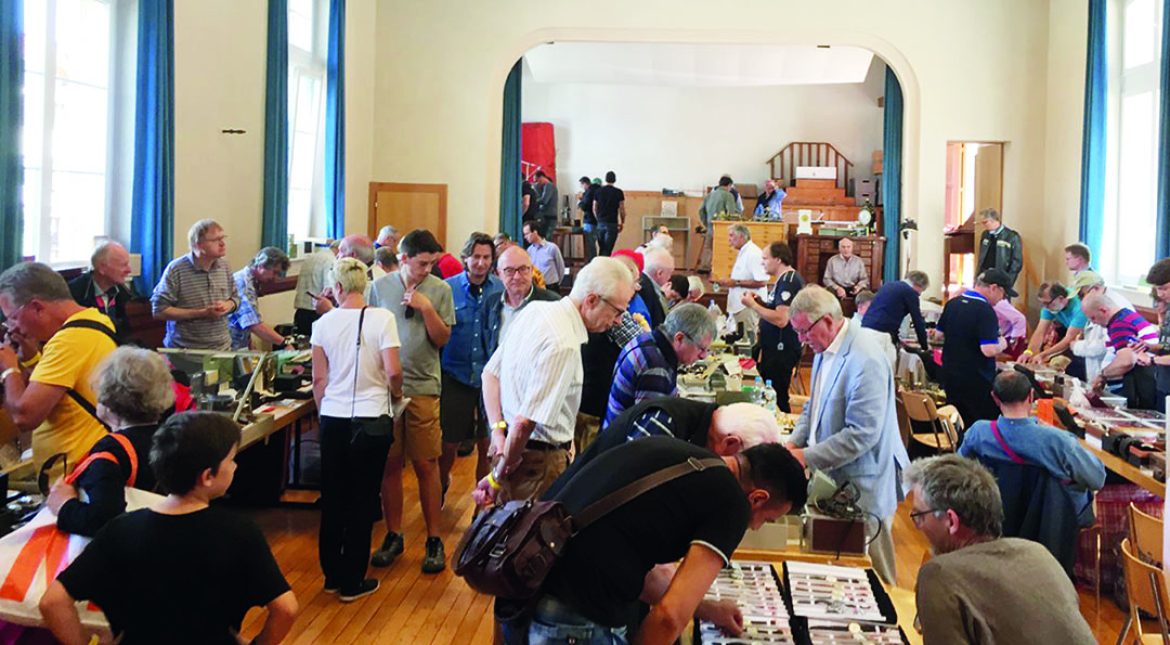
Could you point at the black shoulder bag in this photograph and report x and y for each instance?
(509, 549)
(379, 426)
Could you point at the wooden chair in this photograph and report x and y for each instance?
(945, 422)
(1145, 586)
(903, 421)
(1145, 534)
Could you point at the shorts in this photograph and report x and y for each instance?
(460, 413)
(418, 435)
(535, 474)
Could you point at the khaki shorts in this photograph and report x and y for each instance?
(537, 471)
(585, 432)
(418, 434)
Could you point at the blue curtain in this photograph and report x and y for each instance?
(152, 209)
(335, 123)
(510, 180)
(11, 166)
(1162, 235)
(1093, 141)
(274, 219)
(892, 178)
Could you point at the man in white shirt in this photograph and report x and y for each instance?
(532, 384)
(747, 275)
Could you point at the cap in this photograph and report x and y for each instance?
(1086, 279)
(1000, 278)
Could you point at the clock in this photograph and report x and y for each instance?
(864, 216)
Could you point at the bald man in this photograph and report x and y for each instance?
(1129, 335)
(104, 285)
(352, 246)
(515, 270)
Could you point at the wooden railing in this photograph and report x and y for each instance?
(809, 153)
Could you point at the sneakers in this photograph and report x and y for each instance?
(391, 548)
(367, 587)
(435, 559)
(331, 587)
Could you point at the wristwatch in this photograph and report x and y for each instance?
(500, 425)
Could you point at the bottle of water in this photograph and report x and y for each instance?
(758, 392)
(769, 396)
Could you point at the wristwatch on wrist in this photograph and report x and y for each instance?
(500, 425)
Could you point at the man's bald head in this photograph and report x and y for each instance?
(1098, 308)
(357, 246)
(514, 267)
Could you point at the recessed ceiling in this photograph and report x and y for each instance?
(697, 65)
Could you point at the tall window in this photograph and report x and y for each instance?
(67, 102)
(1127, 247)
(308, 22)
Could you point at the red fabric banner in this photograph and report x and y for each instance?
(538, 150)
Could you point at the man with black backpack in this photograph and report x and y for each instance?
(47, 391)
(593, 590)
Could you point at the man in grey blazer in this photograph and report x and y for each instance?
(849, 427)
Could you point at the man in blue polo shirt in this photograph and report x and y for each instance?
(891, 304)
(971, 341)
(463, 358)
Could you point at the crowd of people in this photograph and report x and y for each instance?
(563, 392)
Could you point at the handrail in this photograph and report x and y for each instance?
(810, 153)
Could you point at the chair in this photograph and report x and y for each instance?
(1145, 587)
(903, 421)
(1145, 534)
(945, 423)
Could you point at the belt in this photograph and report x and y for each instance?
(544, 446)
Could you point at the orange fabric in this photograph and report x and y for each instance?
(47, 545)
(1045, 412)
(107, 456)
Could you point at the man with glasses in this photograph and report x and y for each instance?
(981, 587)
(514, 268)
(196, 292)
(267, 267)
(849, 428)
(38, 308)
(532, 383)
(424, 309)
(648, 365)
(1059, 307)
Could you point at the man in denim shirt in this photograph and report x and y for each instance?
(463, 359)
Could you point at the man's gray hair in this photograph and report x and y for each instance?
(199, 229)
(918, 279)
(751, 423)
(135, 384)
(27, 280)
(271, 257)
(386, 256)
(989, 213)
(816, 302)
(603, 276)
(693, 320)
(741, 229)
(962, 485)
(385, 232)
(101, 251)
(656, 257)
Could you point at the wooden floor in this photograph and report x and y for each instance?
(412, 607)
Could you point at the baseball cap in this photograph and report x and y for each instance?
(1086, 279)
(1000, 278)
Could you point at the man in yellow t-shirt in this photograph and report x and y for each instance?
(41, 389)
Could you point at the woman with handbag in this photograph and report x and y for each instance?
(356, 376)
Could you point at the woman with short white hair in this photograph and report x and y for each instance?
(134, 388)
(356, 377)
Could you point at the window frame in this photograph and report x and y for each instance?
(313, 65)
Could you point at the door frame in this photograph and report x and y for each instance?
(439, 190)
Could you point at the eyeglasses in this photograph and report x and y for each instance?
(807, 330)
(513, 271)
(216, 240)
(10, 320)
(917, 516)
(620, 310)
(703, 351)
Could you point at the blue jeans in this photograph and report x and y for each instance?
(590, 241)
(607, 235)
(555, 623)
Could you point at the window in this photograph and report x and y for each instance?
(1132, 142)
(68, 99)
(308, 46)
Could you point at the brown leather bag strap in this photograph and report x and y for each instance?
(603, 506)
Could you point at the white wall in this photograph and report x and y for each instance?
(684, 138)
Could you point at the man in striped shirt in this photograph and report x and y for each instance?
(648, 365)
(197, 292)
(532, 383)
(1128, 331)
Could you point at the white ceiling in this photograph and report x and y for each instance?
(697, 65)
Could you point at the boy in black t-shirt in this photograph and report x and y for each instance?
(180, 572)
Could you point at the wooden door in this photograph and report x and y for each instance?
(407, 207)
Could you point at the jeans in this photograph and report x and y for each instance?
(590, 238)
(351, 483)
(554, 623)
(607, 235)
